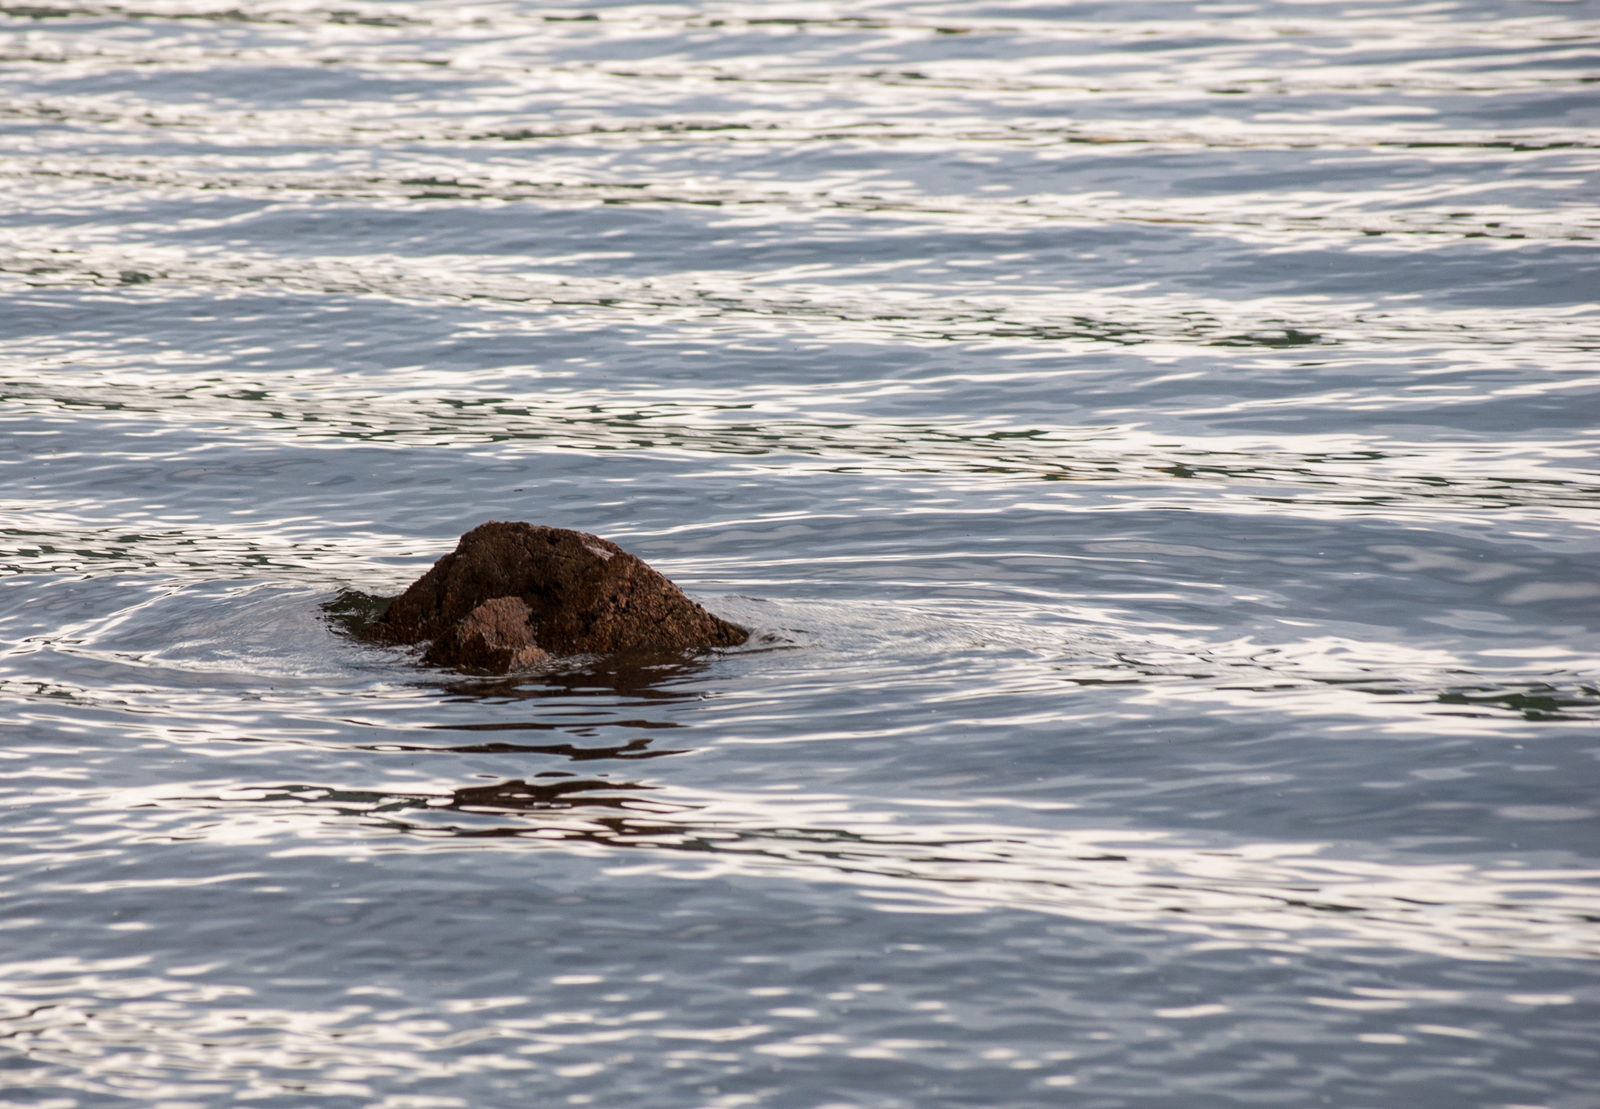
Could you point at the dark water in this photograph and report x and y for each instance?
(1155, 443)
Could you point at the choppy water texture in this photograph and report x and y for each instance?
(1155, 444)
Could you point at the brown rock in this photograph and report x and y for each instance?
(511, 593)
(495, 637)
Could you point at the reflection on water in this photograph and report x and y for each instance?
(1254, 893)
(1539, 701)
(1154, 445)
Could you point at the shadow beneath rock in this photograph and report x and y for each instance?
(641, 676)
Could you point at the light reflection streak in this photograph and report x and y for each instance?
(1311, 129)
(1414, 219)
(92, 1027)
(1345, 477)
(713, 306)
(494, 38)
(902, 856)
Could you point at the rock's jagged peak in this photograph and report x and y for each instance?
(582, 595)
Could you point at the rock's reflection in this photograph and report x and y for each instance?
(577, 701)
(645, 676)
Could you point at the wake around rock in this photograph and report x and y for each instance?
(512, 595)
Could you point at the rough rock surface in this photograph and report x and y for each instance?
(511, 594)
(495, 637)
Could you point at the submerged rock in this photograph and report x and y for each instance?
(511, 595)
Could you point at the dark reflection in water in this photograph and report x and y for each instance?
(515, 795)
(638, 677)
(1539, 701)
(633, 749)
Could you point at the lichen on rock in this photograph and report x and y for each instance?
(512, 594)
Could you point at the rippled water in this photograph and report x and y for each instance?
(1155, 444)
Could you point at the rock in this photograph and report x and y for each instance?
(497, 637)
(512, 594)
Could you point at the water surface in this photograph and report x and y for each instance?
(1154, 444)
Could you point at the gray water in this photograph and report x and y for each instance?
(1156, 446)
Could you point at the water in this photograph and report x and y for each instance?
(1155, 445)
